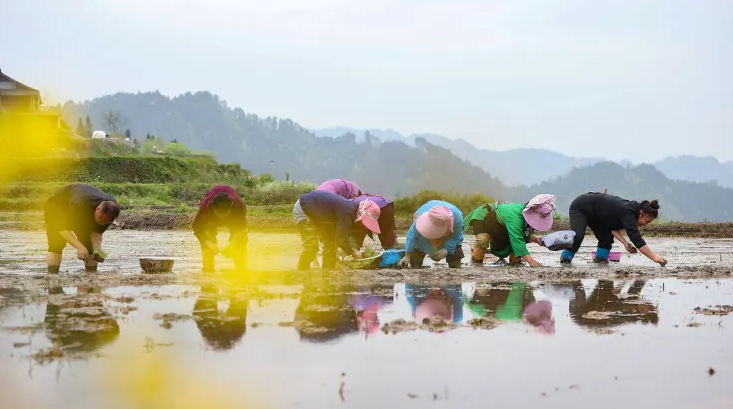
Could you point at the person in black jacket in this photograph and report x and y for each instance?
(78, 214)
(606, 215)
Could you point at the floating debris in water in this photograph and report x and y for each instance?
(711, 371)
(399, 325)
(716, 310)
(342, 386)
(171, 317)
(484, 323)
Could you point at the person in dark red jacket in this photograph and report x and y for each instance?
(222, 206)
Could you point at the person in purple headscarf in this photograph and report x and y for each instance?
(344, 188)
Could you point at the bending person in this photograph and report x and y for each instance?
(505, 229)
(344, 188)
(437, 231)
(78, 214)
(222, 206)
(330, 217)
(606, 215)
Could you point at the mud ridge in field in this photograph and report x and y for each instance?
(435, 276)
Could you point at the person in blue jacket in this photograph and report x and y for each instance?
(436, 231)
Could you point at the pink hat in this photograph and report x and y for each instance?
(539, 315)
(433, 307)
(538, 212)
(435, 223)
(368, 215)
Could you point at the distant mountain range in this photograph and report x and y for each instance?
(552, 164)
(390, 164)
(679, 200)
(697, 169)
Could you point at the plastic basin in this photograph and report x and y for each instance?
(156, 265)
(613, 256)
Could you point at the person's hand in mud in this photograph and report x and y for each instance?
(630, 248)
(660, 260)
(531, 261)
(537, 240)
(82, 253)
(404, 262)
(439, 255)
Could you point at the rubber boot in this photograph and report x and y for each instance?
(601, 256)
(53, 269)
(566, 257)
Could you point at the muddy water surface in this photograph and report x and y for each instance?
(580, 337)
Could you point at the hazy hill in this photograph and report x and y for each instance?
(679, 200)
(502, 164)
(697, 169)
(280, 146)
(390, 167)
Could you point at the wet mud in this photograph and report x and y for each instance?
(556, 336)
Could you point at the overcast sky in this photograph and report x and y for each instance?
(634, 79)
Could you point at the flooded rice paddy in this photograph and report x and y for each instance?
(584, 336)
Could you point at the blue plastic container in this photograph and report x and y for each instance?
(390, 258)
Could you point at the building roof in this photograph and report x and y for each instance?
(9, 86)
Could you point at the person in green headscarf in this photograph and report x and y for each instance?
(505, 228)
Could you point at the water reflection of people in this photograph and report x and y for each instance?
(513, 302)
(324, 313)
(221, 331)
(367, 301)
(506, 301)
(79, 322)
(616, 310)
(426, 302)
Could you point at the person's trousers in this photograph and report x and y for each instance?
(582, 212)
(311, 233)
(309, 242)
(454, 260)
(388, 235)
(236, 250)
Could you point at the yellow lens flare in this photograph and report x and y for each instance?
(29, 142)
(156, 379)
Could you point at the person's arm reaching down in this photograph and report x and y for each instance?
(81, 251)
(620, 237)
(631, 225)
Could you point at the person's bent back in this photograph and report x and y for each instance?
(78, 215)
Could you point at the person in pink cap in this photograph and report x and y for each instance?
(344, 188)
(327, 217)
(504, 229)
(437, 231)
